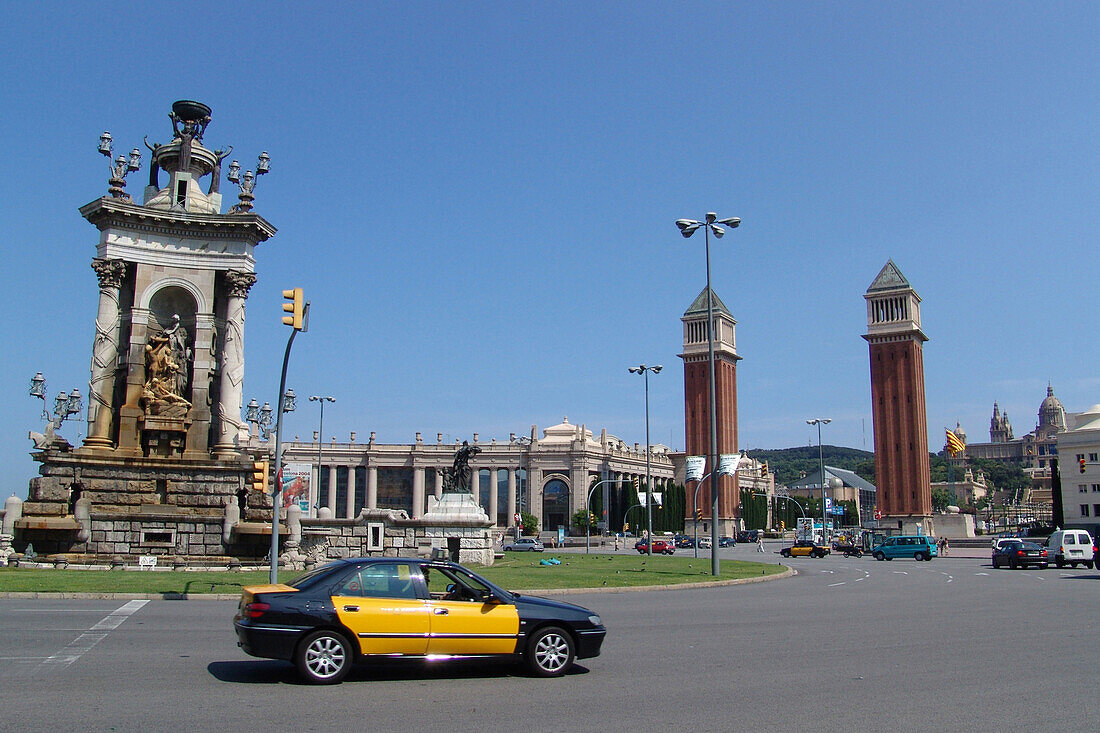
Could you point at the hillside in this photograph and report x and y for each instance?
(789, 464)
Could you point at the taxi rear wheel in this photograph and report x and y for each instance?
(550, 652)
(323, 657)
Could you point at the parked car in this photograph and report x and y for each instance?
(660, 547)
(684, 542)
(353, 609)
(1071, 547)
(805, 548)
(1019, 554)
(918, 547)
(705, 543)
(524, 544)
(726, 542)
(748, 535)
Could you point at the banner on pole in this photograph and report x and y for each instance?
(727, 464)
(295, 483)
(693, 468)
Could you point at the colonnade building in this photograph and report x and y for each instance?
(548, 476)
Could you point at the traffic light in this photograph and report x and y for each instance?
(698, 514)
(1081, 463)
(259, 475)
(764, 469)
(591, 519)
(296, 306)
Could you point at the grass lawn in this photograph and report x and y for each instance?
(517, 571)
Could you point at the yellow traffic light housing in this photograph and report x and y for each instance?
(259, 475)
(296, 307)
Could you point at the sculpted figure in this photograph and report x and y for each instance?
(460, 473)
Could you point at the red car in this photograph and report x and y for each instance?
(660, 547)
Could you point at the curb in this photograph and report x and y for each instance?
(787, 572)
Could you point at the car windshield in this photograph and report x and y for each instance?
(1029, 546)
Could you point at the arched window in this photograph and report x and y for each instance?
(555, 505)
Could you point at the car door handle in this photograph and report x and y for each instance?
(440, 611)
(351, 609)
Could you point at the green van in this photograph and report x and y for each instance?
(918, 547)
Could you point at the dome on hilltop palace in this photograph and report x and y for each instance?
(565, 432)
(1051, 412)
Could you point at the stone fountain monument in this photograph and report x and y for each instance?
(165, 466)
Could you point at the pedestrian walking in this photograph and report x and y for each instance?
(759, 541)
(946, 546)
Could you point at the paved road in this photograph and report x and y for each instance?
(846, 644)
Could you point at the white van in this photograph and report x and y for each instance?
(1070, 547)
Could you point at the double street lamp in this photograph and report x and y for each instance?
(710, 226)
(321, 439)
(644, 371)
(819, 421)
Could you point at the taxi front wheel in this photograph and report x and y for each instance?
(323, 657)
(550, 652)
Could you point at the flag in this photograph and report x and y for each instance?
(955, 446)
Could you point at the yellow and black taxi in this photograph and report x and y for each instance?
(805, 548)
(350, 610)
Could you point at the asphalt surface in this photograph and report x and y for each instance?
(844, 644)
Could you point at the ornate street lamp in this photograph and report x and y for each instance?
(710, 226)
(321, 439)
(119, 168)
(66, 404)
(644, 371)
(247, 183)
(819, 421)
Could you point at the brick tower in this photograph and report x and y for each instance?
(895, 342)
(697, 401)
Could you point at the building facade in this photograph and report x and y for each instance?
(550, 476)
(896, 342)
(1079, 470)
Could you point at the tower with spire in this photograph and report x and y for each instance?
(697, 400)
(896, 345)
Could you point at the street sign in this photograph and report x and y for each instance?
(517, 518)
(878, 514)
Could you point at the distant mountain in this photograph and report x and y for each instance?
(790, 464)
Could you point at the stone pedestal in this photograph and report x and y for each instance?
(458, 526)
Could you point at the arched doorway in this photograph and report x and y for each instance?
(555, 504)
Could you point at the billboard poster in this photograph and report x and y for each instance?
(295, 486)
(728, 463)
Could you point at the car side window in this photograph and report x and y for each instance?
(1070, 540)
(385, 580)
(445, 584)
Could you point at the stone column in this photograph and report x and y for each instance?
(372, 487)
(108, 321)
(493, 509)
(351, 493)
(438, 482)
(232, 363)
(332, 490)
(418, 492)
(511, 495)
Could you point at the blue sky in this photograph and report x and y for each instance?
(479, 201)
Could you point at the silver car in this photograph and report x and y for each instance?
(524, 544)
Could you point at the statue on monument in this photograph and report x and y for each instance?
(167, 357)
(457, 478)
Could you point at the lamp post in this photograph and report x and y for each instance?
(644, 371)
(321, 439)
(66, 404)
(687, 228)
(819, 421)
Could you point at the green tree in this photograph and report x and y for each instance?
(582, 519)
(530, 523)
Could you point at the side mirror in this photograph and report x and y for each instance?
(487, 596)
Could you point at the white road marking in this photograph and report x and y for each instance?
(900, 572)
(833, 585)
(83, 643)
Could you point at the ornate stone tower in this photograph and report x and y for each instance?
(165, 436)
(1000, 429)
(697, 400)
(895, 341)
